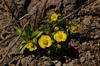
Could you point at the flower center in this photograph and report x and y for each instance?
(53, 17)
(32, 46)
(60, 36)
(45, 42)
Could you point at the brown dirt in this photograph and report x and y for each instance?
(88, 48)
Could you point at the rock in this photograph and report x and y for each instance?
(32, 64)
(66, 61)
(98, 56)
(74, 43)
(76, 61)
(55, 61)
(93, 24)
(84, 43)
(88, 54)
(98, 24)
(64, 64)
(58, 64)
(70, 64)
(96, 36)
(86, 20)
(82, 59)
(47, 63)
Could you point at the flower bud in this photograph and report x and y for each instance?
(58, 46)
(56, 28)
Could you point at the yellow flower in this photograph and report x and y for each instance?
(54, 17)
(45, 41)
(60, 36)
(74, 28)
(30, 46)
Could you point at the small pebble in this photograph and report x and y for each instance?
(64, 64)
(82, 59)
(97, 36)
(58, 64)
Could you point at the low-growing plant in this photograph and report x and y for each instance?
(52, 39)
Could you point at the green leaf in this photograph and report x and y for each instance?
(19, 30)
(52, 34)
(20, 45)
(40, 33)
(34, 40)
(28, 33)
(22, 50)
(35, 33)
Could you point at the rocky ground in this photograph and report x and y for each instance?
(84, 52)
